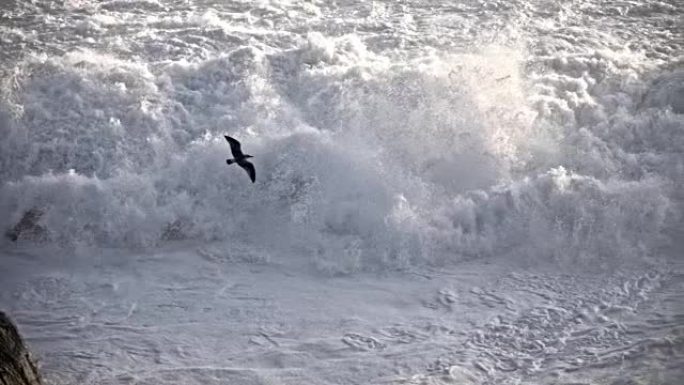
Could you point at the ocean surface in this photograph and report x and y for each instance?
(447, 192)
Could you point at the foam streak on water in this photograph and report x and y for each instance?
(386, 135)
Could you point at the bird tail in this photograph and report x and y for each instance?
(230, 161)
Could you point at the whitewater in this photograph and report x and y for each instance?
(447, 192)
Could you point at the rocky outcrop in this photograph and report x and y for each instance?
(28, 227)
(16, 365)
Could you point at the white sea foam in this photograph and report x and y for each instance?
(520, 162)
(580, 158)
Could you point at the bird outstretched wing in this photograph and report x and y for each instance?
(249, 168)
(234, 147)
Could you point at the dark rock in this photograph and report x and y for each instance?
(16, 365)
(28, 227)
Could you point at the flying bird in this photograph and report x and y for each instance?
(240, 158)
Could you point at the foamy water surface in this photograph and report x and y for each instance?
(390, 138)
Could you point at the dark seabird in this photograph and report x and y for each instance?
(240, 158)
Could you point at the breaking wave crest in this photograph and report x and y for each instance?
(363, 160)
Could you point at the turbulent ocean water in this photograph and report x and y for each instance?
(447, 192)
